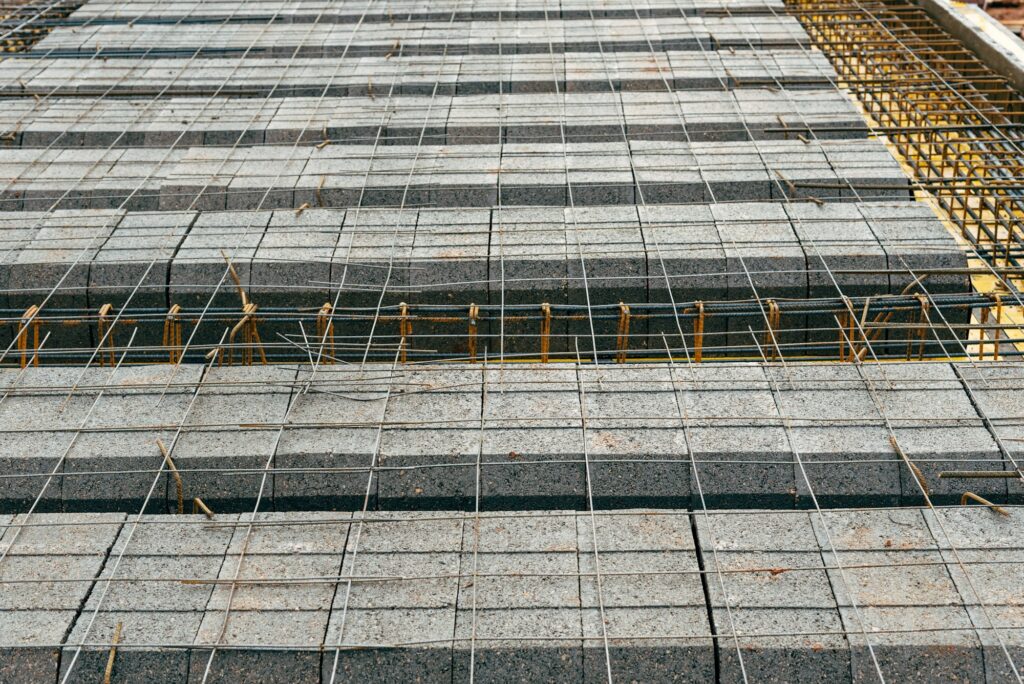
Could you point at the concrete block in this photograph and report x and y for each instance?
(913, 644)
(441, 411)
(389, 644)
(324, 465)
(680, 647)
(427, 581)
(272, 534)
(423, 467)
(751, 641)
(406, 532)
(846, 466)
(778, 531)
(38, 589)
(164, 535)
(637, 466)
(84, 658)
(527, 265)
(27, 652)
(766, 580)
(296, 597)
(872, 530)
(511, 581)
(43, 534)
(542, 644)
(31, 454)
(146, 583)
(742, 466)
(207, 452)
(301, 663)
(532, 442)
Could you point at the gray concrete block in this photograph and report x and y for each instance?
(913, 644)
(163, 535)
(634, 531)
(324, 465)
(640, 579)
(147, 583)
(42, 534)
(782, 531)
(207, 452)
(527, 266)
(846, 466)
(409, 532)
(27, 652)
(301, 663)
(32, 454)
(973, 528)
(276, 534)
(85, 656)
(938, 449)
(742, 467)
(530, 644)
(427, 581)
(637, 466)
(536, 467)
(680, 647)
(428, 468)
(288, 597)
(38, 586)
(532, 443)
(872, 530)
(752, 640)
(518, 581)
(389, 644)
(757, 579)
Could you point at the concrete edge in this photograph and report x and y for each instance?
(992, 42)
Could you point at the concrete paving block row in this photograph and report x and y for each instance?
(420, 75)
(552, 595)
(47, 573)
(746, 113)
(447, 595)
(504, 437)
(316, 11)
(873, 582)
(574, 174)
(514, 256)
(507, 37)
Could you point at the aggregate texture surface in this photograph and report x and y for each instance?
(905, 594)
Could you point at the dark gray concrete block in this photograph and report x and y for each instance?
(913, 644)
(28, 653)
(305, 633)
(751, 641)
(529, 644)
(679, 649)
(389, 644)
(84, 658)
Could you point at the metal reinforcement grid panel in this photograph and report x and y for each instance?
(468, 340)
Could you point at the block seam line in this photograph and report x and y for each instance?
(699, 553)
(325, 650)
(88, 594)
(174, 255)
